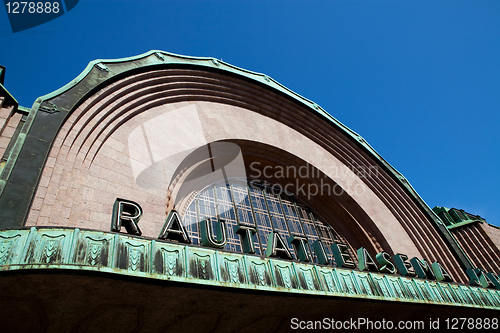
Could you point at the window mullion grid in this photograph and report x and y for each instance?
(317, 227)
(292, 250)
(265, 210)
(198, 218)
(254, 216)
(313, 254)
(233, 240)
(303, 234)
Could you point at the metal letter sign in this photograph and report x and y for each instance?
(299, 242)
(207, 236)
(214, 234)
(383, 258)
(276, 247)
(404, 267)
(173, 229)
(246, 232)
(342, 256)
(365, 261)
(128, 214)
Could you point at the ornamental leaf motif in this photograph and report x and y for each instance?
(95, 249)
(285, 276)
(134, 259)
(366, 286)
(329, 282)
(6, 247)
(397, 289)
(170, 259)
(460, 296)
(437, 293)
(232, 268)
(383, 288)
(349, 288)
(261, 273)
(309, 281)
(51, 247)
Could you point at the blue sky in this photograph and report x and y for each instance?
(419, 80)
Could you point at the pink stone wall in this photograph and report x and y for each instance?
(481, 243)
(77, 194)
(8, 124)
(93, 160)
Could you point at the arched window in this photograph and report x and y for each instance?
(265, 207)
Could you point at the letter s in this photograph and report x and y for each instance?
(294, 322)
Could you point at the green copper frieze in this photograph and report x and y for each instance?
(115, 253)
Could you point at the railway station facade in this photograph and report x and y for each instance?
(172, 192)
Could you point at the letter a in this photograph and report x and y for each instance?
(173, 229)
(365, 261)
(276, 247)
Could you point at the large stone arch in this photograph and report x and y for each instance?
(282, 170)
(89, 162)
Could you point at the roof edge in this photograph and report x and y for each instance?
(9, 95)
